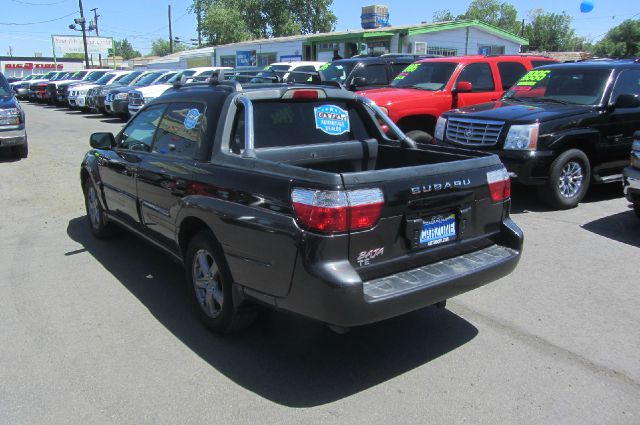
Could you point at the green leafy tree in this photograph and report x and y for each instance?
(125, 49)
(161, 47)
(551, 32)
(492, 12)
(74, 55)
(443, 15)
(622, 40)
(226, 21)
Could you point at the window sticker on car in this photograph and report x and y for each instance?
(325, 66)
(408, 70)
(332, 119)
(531, 78)
(191, 120)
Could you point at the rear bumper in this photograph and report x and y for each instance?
(631, 184)
(14, 137)
(334, 293)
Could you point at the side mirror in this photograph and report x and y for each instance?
(102, 140)
(627, 101)
(358, 82)
(463, 87)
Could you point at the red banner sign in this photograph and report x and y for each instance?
(30, 65)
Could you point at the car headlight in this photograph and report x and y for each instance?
(121, 96)
(522, 137)
(440, 126)
(9, 116)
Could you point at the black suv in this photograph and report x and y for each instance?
(292, 196)
(559, 128)
(361, 73)
(631, 182)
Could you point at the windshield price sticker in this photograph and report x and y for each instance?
(532, 78)
(332, 120)
(325, 66)
(408, 70)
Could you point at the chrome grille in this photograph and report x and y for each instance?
(136, 99)
(473, 132)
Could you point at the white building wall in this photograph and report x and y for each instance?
(456, 39)
(280, 48)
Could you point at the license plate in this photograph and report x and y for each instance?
(438, 229)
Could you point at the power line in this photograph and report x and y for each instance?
(35, 23)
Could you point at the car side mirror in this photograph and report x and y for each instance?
(358, 82)
(463, 87)
(627, 101)
(102, 140)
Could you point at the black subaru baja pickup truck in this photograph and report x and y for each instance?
(292, 196)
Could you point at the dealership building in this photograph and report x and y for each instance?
(18, 66)
(455, 38)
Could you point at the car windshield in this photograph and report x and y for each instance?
(425, 76)
(5, 89)
(166, 77)
(179, 75)
(78, 75)
(95, 75)
(582, 86)
(105, 79)
(129, 77)
(336, 71)
(147, 79)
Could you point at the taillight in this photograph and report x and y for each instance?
(499, 184)
(334, 211)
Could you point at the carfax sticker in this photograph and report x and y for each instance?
(191, 120)
(332, 120)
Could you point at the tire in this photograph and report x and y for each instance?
(96, 218)
(569, 179)
(636, 209)
(420, 136)
(21, 151)
(210, 286)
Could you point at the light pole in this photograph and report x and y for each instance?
(82, 22)
(95, 23)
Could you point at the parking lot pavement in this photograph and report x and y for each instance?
(100, 331)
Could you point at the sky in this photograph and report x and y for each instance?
(142, 21)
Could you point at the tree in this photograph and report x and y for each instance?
(622, 40)
(225, 21)
(501, 15)
(161, 47)
(74, 56)
(124, 49)
(443, 15)
(551, 32)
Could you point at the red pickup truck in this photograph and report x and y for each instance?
(430, 87)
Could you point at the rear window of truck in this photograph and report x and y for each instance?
(279, 124)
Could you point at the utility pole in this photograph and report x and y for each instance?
(84, 34)
(170, 33)
(10, 51)
(95, 20)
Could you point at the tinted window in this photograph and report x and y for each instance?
(510, 72)
(479, 75)
(425, 75)
(289, 124)
(95, 75)
(397, 68)
(5, 89)
(148, 79)
(538, 63)
(130, 77)
(300, 78)
(376, 75)
(138, 134)
(166, 77)
(179, 131)
(628, 82)
(336, 71)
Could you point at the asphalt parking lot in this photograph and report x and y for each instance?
(98, 332)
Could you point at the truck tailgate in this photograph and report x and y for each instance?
(431, 212)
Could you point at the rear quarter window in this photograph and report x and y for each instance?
(279, 124)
